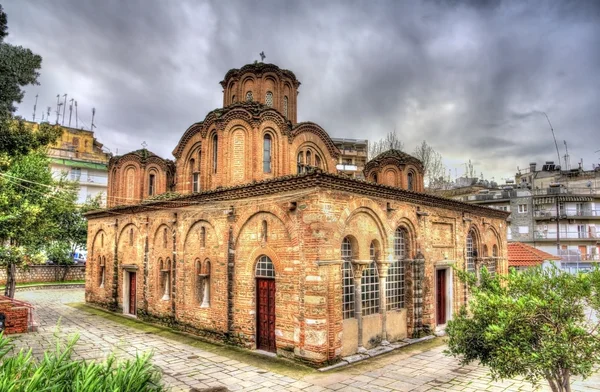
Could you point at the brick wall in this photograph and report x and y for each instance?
(46, 273)
(16, 316)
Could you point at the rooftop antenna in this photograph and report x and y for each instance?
(262, 56)
(552, 129)
(567, 158)
(93, 114)
(57, 107)
(76, 117)
(35, 106)
(64, 109)
(48, 115)
(70, 110)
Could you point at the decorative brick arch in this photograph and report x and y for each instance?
(320, 132)
(411, 230)
(492, 234)
(248, 268)
(274, 210)
(124, 232)
(370, 209)
(96, 236)
(193, 130)
(191, 228)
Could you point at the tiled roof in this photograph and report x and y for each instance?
(522, 255)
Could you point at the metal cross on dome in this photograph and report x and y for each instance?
(144, 144)
(262, 56)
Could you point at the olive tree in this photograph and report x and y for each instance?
(538, 324)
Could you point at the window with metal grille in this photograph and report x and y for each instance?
(269, 99)
(394, 290)
(285, 107)
(215, 152)
(264, 268)
(347, 280)
(370, 286)
(151, 184)
(410, 182)
(300, 162)
(470, 254)
(493, 264)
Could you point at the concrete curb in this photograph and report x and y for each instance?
(51, 286)
(375, 352)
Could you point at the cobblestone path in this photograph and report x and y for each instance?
(187, 367)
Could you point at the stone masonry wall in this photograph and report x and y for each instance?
(46, 273)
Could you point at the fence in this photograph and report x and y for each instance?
(46, 273)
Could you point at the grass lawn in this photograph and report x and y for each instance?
(34, 284)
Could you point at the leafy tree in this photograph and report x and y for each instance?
(535, 324)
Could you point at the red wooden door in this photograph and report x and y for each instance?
(441, 296)
(265, 320)
(132, 291)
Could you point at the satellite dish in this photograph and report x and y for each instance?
(589, 184)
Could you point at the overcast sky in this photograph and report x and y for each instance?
(472, 78)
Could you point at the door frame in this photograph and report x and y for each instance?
(126, 290)
(449, 292)
(257, 319)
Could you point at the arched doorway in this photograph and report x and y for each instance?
(265, 304)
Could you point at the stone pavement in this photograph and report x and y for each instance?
(185, 367)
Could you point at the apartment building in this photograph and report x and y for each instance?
(353, 156)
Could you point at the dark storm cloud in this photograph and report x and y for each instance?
(473, 78)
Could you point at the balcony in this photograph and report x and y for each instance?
(347, 167)
(553, 191)
(579, 214)
(566, 235)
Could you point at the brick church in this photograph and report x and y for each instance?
(250, 235)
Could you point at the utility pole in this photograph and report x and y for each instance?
(93, 114)
(35, 106)
(76, 117)
(70, 111)
(64, 109)
(57, 107)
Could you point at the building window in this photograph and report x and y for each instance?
(300, 162)
(522, 208)
(203, 283)
(102, 240)
(581, 231)
(131, 237)
(269, 99)
(165, 279)
(370, 285)
(249, 97)
(165, 237)
(347, 280)
(308, 158)
(196, 182)
(263, 230)
(215, 152)
(523, 229)
(102, 270)
(410, 182)
(285, 107)
(471, 253)
(233, 99)
(202, 237)
(151, 185)
(267, 154)
(494, 263)
(318, 161)
(394, 290)
(264, 268)
(75, 174)
(375, 178)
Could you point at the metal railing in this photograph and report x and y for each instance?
(566, 191)
(567, 214)
(565, 235)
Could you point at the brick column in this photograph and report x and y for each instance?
(383, 273)
(358, 268)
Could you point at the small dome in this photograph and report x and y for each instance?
(396, 168)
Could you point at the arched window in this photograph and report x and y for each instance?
(249, 97)
(347, 280)
(215, 140)
(151, 185)
(471, 253)
(285, 107)
(102, 260)
(205, 302)
(410, 182)
(267, 153)
(375, 178)
(300, 162)
(318, 161)
(131, 237)
(202, 237)
(165, 237)
(233, 99)
(199, 282)
(165, 273)
(264, 268)
(195, 176)
(269, 99)
(394, 290)
(263, 233)
(102, 240)
(370, 285)
(495, 250)
(308, 158)
(494, 262)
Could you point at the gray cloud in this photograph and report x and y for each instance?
(470, 77)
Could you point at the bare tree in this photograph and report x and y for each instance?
(435, 170)
(391, 141)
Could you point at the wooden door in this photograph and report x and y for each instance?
(441, 296)
(132, 291)
(265, 319)
(583, 252)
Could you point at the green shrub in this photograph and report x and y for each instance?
(57, 372)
